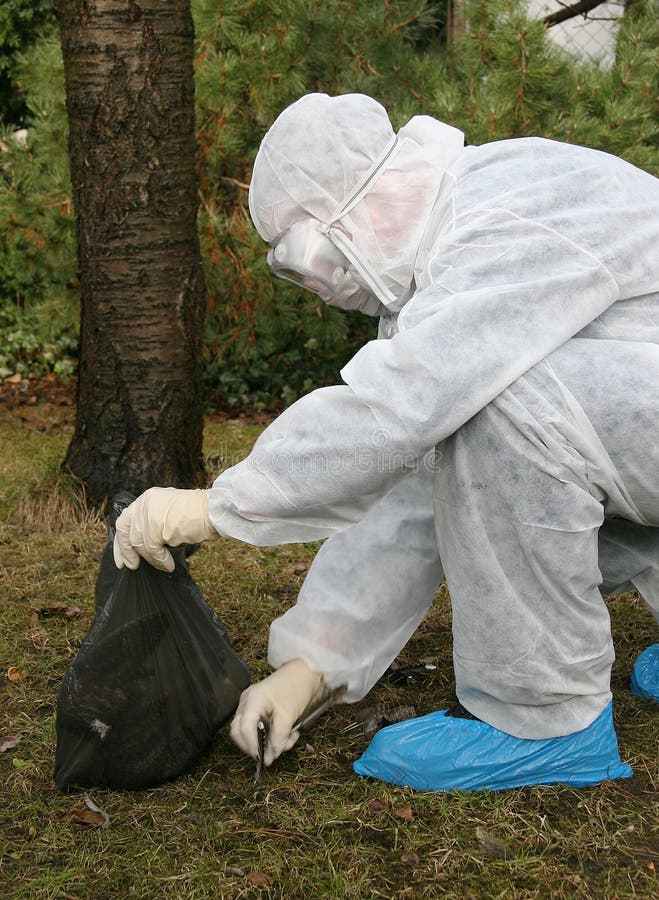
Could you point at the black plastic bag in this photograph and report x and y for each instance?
(152, 683)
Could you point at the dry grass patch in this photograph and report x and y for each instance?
(60, 505)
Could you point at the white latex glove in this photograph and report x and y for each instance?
(280, 699)
(161, 516)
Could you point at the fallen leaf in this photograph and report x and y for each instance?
(19, 763)
(9, 742)
(375, 807)
(59, 609)
(15, 674)
(410, 859)
(92, 815)
(14, 379)
(300, 568)
(258, 879)
(405, 813)
(492, 847)
(233, 870)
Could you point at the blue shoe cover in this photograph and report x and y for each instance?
(645, 677)
(440, 753)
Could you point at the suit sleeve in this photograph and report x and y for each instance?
(367, 591)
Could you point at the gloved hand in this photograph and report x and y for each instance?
(161, 516)
(280, 699)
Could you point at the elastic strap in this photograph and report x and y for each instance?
(366, 183)
(371, 278)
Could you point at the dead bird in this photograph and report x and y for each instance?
(372, 718)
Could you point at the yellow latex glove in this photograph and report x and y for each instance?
(280, 699)
(161, 516)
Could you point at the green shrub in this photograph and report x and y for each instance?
(505, 80)
(38, 288)
(21, 23)
(266, 341)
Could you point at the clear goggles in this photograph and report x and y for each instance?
(306, 256)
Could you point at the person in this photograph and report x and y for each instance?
(502, 432)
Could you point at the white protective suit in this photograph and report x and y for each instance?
(505, 423)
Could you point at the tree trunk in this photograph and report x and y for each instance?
(130, 103)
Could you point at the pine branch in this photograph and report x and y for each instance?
(569, 12)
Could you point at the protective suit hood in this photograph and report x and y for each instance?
(338, 160)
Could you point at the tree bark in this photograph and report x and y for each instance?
(130, 102)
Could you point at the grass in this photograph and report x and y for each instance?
(311, 828)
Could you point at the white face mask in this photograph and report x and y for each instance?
(306, 255)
